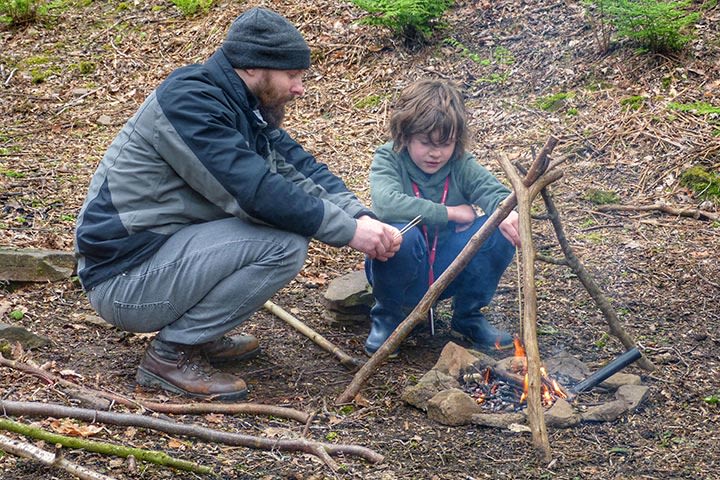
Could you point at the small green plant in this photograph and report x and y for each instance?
(190, 7)
(712, 399)
(67, 218)
(634, 102)
(466, 52)
(412, 20)
(601, 197)
(704, 184)
(368, 102)
(20, 12)
(331, 436)
(11, 173)
(86, 68)
(602, 341)
(554, 102)
(657, 25)
(346, 410)
(17, 315)
(697, 108)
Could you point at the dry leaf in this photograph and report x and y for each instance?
(176, 444)
(215, 418)
(68, 426)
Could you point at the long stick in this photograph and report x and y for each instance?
(321, 450)
(346, 360)
(526, 192)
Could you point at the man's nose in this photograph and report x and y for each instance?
(298, 89)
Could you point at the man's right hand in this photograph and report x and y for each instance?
(376, 239)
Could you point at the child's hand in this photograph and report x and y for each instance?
(510, 228)
(462, 214)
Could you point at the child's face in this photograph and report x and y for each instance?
(428, 153)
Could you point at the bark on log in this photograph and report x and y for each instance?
(695, 213)
(526, 192)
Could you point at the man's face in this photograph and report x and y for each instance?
(274, 89)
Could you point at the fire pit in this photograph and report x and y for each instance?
(470, 387)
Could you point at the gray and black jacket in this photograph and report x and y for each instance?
(197, 150)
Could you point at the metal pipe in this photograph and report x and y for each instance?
(611, 368)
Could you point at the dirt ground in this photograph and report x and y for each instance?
(69, 84)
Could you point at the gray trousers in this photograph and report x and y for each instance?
(203, 282)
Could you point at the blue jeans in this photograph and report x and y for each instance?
(203, 282)
(402, 281)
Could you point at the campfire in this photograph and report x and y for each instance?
(507, 389)
(467, 387)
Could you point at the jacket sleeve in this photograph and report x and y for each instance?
(482, 187)
(388, 184)
(199, 138)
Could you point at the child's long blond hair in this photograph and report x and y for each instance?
(427, 107)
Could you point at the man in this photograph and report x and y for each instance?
(203, 207)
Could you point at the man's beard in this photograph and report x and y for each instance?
(273, 114)
(272, 104)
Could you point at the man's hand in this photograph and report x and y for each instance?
(377, 240)
(510, 228)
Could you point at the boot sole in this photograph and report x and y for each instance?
(392, 356)
(148, 379)
(223, 362)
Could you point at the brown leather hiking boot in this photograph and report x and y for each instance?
(188, 374)
(233, 349)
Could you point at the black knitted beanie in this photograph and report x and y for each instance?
(261, 38)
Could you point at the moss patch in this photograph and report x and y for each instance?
(704, 184)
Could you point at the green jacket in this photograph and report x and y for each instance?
(392, 174)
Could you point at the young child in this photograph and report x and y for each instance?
(426, 170)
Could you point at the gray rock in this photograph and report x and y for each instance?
(607, 412)
(561, 415)
(452, 407)
(454, 359)
(619, 379)
(632, 395)
(31, 265)
(432, 383)
(349, 294)
(567, 366)
(26, 338)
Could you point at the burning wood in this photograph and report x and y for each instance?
(506, 389)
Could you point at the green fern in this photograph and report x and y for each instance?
(19, 12)
(658, 25)
(413, 20)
